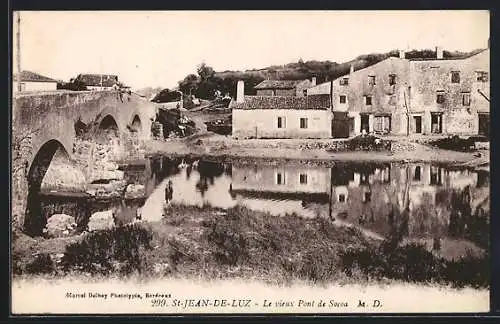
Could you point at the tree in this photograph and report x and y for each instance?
(189, 85)
(205, 72)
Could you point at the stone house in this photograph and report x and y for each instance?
(280, 116)
(450, 96)
(289, 88)
(31, 81)
(401, 97)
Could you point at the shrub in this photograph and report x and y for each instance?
(104, 251)
(414, 263)
(42, 264)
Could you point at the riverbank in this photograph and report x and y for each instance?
(239, 243)
(212, 145)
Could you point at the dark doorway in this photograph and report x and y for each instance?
(418, 124)
(436, 123)
(365, 123)
(351, 126)
(484, 124)
(340, 125)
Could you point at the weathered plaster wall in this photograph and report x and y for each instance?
(428, 77)
(263, 123)
(386, 98)
(417, 83)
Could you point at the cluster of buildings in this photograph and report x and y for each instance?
(28, 81)
(396, 96)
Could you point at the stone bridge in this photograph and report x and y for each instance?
(67, 134)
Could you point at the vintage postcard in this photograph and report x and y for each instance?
(198, 162)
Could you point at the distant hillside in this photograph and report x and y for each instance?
(148, 92)
(208, 81)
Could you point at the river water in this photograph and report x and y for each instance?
(451, 204)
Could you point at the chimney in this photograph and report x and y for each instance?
(439, 52)
(240, 91)
(401, 54)
(313, 81)
(351, 70)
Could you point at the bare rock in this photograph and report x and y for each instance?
(60, 225)
(101, 221)
(135, 191)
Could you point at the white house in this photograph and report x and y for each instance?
(280, 116)
(31, 81)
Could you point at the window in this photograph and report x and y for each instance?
(281, 122)
(303, 123)
(364, 178)
(343, 99)
(23, 86)
(482, 76)
(368, 100)
(344, 81)
(466, 98)
(371, 80)
(303, 178)
(440, 97)
(367, 196)
(382, 124)
(341, 198)
(304, 92)
(455, 77)
(273, 92)
(417, 174)
(392, 79)
(436, 175)
(280, 178)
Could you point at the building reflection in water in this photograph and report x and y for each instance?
(417, 201)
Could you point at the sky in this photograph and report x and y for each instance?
(159, 48)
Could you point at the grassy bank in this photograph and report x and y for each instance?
(209, 243)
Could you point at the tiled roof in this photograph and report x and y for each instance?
(278, 84)
(319, 102)
(94, 80)
(463, 57)
(28, 76)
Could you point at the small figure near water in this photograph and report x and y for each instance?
(169, 192)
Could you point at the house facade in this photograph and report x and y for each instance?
(401, 97)
(450, 96)
(97, 81)
(280, 116)
(288, 88)
(31, 81)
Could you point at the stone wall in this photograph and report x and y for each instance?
(21, 149)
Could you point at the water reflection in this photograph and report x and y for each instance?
(421, 201)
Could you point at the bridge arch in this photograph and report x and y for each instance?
(34, 221)
(136, 124)
(107, 129)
